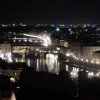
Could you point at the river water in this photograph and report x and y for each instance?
(50, 63)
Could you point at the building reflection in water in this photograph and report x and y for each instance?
(28, 62)
(52, 63)
(49, 64)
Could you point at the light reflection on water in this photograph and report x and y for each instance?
(28, 62)
(50, 64)
(37, 68)
(44, 65)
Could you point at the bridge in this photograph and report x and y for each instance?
(42, 43)
(31, 39)
(38, 43)
(82, 64)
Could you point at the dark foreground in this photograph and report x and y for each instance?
(41, 85)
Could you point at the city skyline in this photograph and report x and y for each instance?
(44, 11)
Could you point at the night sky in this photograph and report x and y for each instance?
(50, 11)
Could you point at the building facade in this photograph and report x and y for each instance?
(86, 52)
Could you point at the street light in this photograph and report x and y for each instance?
(68, 54)
(92, 61)
(71, 54)
(77, 58)
(97, 62)
(81, 59)
(87, 60)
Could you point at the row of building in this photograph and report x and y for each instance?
(88, 51)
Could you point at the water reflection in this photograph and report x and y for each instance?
(37, 65)
(49, 64)
(52, 63)
(28, 62)
(45, 62)
(66, 67)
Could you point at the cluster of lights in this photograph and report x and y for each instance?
(81, 59)
(3, 25)
(51, 60)
(74, 72)
(6, 56)
(91, 74)
(12, 79)
(51, 57)
(45, 38)
(9, 57)
(25, 40)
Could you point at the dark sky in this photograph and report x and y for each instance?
(50, 11)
